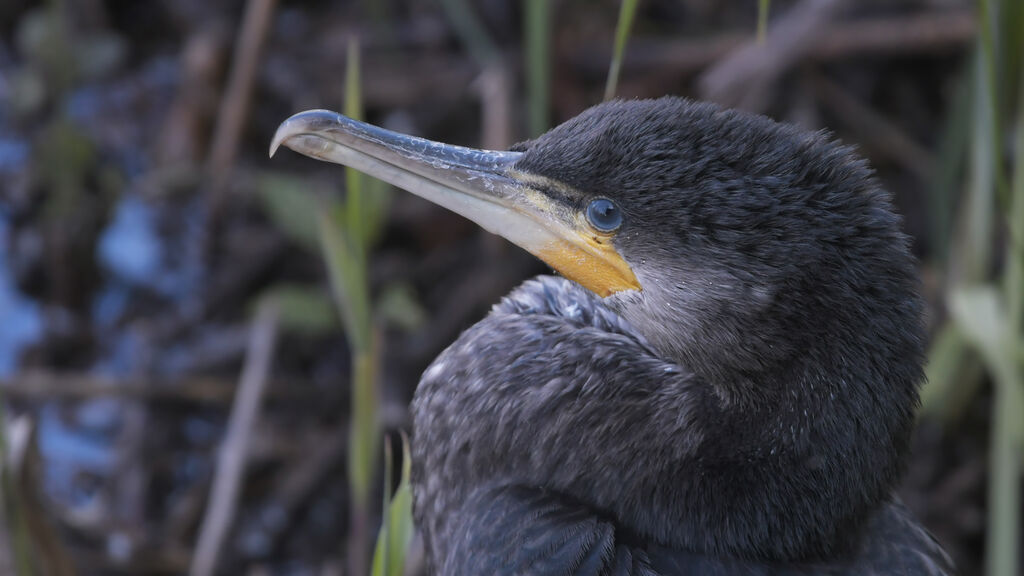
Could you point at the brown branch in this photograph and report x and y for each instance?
(44, 385)
(235, 448)
(234, 106)
(925, 32)
(494, 88)
(745, 76)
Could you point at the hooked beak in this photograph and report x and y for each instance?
(481, 185)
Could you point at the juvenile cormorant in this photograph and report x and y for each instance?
(724, 379)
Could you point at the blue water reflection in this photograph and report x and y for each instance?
(135, 255)
(130, 248)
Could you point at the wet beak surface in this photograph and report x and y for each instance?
(478, 184)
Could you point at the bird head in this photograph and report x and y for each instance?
(735, 245)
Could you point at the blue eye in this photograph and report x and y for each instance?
(604, 215)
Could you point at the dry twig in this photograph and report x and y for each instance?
(232, 457)
(234, 106)
(744, 78)
(45, 386)
(924, 32)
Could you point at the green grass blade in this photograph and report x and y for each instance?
(346, 231)
(376, 203)
(1002, 556)
(627, 14)
(354, 178)
(973, 246)
(762, 20)
(401, 524)
(380, 551)
(1015, 250)
(948, 180)
(981, 315)
(348, 282)
(397, 528)
(988, 21)
(367, 199)
(364, 441)
(538, 66)
(346, 274)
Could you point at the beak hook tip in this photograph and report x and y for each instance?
(279, 137)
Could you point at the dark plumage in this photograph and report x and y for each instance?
(754, 401)
(746, 411)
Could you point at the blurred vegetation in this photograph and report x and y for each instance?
(762, 18)
(626, 15)
(14, 518)
(538, 64)
(396, 528)
(347, 230)
(985, 298)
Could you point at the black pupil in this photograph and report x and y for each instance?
(604, 215)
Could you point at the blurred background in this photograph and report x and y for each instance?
(206, 356)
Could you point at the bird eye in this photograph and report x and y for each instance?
(604, 215)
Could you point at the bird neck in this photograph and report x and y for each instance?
(811, 403)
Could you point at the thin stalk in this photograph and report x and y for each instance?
(981, 313)
(948, 178)
(538, 66)
(348, 281)
(1002, 555)
(1003, 490)
(20, 543)
(347, 277)
(974, 247)
(381, 554)
(988, 18)
(626, 15)
(363, 453)
(344, 236)
(1015, 251)
(762, 20)
(353, 178)
(362, 456)
(397, 528)
(1003, 537)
